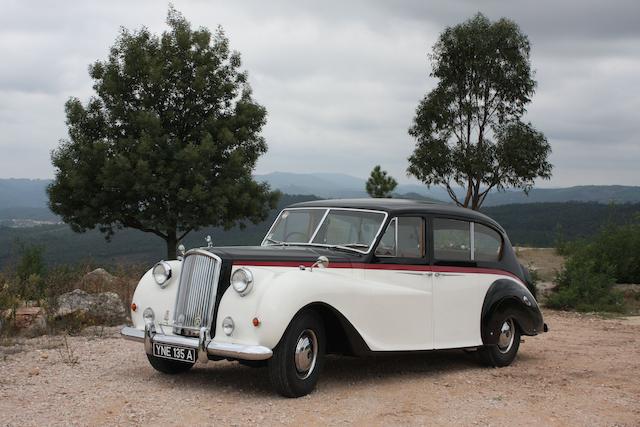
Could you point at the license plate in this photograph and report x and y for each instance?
(172, 352)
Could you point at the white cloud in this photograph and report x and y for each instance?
(340, 80)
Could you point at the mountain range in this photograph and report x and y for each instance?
(26, 198)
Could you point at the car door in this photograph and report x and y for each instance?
(400, 266)
(459, 285)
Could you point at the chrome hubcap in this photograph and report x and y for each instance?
(505, 342)
(306, 353)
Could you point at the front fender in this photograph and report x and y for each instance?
(278, 294)
(149, 294)
(507, 296)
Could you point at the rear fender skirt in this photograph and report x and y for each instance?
(507, 296)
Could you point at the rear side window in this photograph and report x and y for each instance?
(403, 238)
(451, 240)
(487, 243)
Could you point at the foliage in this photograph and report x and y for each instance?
(584, 287)
(468, 129)
(379, 184)
(614, 250)
(30, 273)
(168, 143)
(595, 265)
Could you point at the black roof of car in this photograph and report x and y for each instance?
(400, 206)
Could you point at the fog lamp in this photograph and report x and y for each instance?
(228, 325)
(148, 315)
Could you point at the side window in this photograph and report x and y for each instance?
(451, 240)
(487, 243)
(403, 238)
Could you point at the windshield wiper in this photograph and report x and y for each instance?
(356, 245)
(344, 248)
(275, 242)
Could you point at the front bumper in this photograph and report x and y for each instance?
(203, 344)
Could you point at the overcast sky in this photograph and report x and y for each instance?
(340, 80)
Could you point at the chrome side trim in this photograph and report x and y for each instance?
(202, 344)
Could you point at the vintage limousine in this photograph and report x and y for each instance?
(356, 277)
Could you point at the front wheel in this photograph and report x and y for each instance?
(297, 361)
(503, 353)
(167, 366)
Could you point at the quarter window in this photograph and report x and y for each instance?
(403, 238)
(451, 240)
(487, 243)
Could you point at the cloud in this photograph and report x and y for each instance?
(340, 80)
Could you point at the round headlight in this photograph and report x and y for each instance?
(162, 273)
(242, 281)
(228, 326)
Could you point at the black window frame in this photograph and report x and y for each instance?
(472, 263)
(428, 243)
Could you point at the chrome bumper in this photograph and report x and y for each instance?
(203, 344)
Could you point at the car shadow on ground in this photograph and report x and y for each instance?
(339, 371)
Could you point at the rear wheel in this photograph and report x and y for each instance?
(167, 366)
(503, 353)
(296, 363)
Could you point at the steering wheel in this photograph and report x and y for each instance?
(293, 233)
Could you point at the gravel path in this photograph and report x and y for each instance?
(586, 371)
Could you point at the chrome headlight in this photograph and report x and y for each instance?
(242, 281)
(162, 273)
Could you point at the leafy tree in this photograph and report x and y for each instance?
(168, 143)
(468, 129)
(379, 184)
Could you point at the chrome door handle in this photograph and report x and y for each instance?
(428, 274)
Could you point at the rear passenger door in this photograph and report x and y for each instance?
(459, 285)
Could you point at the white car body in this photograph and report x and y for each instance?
(395, 292)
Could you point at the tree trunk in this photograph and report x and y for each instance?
(172, 244)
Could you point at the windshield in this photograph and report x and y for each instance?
(346, 228)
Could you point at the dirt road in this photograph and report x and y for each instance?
(586, 371)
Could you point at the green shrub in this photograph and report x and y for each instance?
(30, 273)
(583, 286)
(614, 250)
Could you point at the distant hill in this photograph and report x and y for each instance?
(330, 185)
(583, 193)
(21, 198)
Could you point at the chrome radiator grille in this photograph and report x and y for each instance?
(196, 292)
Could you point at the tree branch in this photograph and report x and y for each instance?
(185, 234)
(452, 195)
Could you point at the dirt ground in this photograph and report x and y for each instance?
(585, 371)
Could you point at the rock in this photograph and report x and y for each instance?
(104, 308)
(98, 280)
(34, 371)
(26, 321)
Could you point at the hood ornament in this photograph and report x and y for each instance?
(209, 241)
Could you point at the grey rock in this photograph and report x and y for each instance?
(104, 308)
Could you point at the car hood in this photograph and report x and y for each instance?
(302, 254)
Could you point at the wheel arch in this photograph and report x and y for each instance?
(507, 296)
(342, 336)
